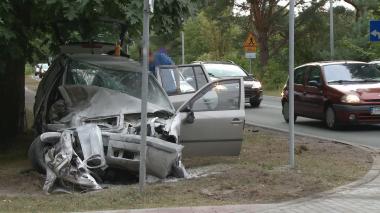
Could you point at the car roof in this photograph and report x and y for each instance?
(108, 61)
(213, 62)
(377, 61)
(323, 63)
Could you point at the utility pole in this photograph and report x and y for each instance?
(183, 46)
(144, 96)
(291, 84)
(331, 30)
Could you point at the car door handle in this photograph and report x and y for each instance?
(236, 121)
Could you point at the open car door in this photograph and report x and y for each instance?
(181, 82)
(212, 121)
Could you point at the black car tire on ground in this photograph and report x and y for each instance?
(285, 112)
(36, 155)
(330, 118)
(255, 103)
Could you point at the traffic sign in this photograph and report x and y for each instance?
(250, 43)
(374, 31)
(250, 55)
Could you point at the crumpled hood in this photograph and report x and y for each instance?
(93, 101)
(365, 91)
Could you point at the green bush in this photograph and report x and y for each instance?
(275, 76)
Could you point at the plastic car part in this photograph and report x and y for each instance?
(63, 165)
(123, 152)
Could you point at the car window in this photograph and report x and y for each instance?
(129, 82)
(174, 83)
(359, 72)
(200, 76)
(188, 75)
(314, 75)
(299, 75)
(224, 95)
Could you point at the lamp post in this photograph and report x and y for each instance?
(291, 84)
(331, 30)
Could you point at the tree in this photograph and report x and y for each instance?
(25, 24)
(266, 17)
(362, 6)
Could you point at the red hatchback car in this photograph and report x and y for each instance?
(338, 92)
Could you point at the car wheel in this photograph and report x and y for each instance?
(255, 103)
(330, 118)
(285, 112)
(36, 155)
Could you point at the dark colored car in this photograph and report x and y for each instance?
(340, 92)
(219, 70)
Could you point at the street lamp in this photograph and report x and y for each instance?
(291, 84)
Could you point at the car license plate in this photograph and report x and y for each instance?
(375, 111)
(246, 99)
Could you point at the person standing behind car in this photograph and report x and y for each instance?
(157, 59)
(167, 78)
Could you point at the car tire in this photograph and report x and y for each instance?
(255, 103)
(285, 112)
(36, 156)
(330, 118)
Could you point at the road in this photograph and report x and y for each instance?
(269, 115)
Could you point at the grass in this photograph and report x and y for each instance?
(29, 70)
(258, 175)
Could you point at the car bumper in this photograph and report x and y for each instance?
(356, 114)
(253, 95)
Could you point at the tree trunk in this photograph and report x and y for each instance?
(12, 93)
(263, 43)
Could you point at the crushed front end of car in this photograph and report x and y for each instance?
(92, 129)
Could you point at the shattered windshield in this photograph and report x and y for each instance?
(128, 82)
(353, 72)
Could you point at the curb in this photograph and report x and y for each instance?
(365, 147)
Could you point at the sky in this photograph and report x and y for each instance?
(284, 2)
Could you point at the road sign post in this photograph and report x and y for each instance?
(250, 49)
(374, 31)
(291, 84)
(144, 94)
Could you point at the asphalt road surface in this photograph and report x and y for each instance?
(269, 115)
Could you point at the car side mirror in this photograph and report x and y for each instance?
(314, 84)
(190, 117)
(189, 114)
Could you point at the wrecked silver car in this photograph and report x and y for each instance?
(87, 116)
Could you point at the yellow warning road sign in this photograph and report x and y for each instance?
(250, 43)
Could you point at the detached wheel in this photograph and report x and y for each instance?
(255, 103)
(285, 112)
(36, 155)
(330, 118)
